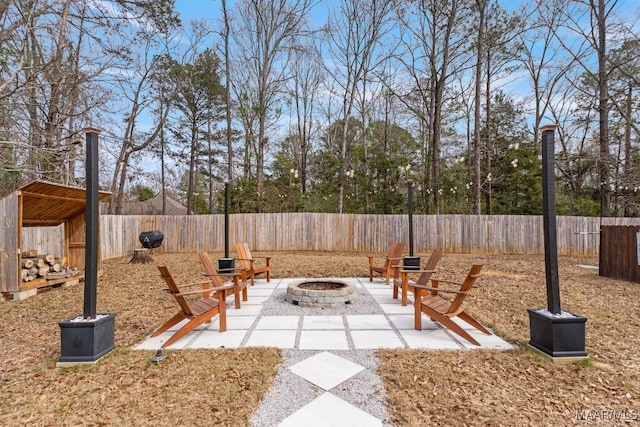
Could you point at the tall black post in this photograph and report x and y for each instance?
(226, 263)
(558, 334)
(88, 339)
(410, 209)
(91, 219)
(410, 262)
(549, 219)
(226, 219)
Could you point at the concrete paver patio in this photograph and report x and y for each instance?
(393, 328)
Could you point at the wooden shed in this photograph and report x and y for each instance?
(40, 218)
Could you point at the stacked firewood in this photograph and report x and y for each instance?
(47, 266)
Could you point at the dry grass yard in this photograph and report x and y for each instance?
(223, 387)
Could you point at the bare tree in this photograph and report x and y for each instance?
(480, 49)
(435, 36)
(592, 22)
(264, 32)
(355, 44)
(542, 59)
(303, 90)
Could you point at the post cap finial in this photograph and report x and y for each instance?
(549, 127)
(91, 130)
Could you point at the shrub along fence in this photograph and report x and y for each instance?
(492, 234)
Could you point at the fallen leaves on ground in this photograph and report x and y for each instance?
(223, 386)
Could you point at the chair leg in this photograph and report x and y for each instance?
(405, 285)
(473, 322)
(453, 326)
(195, 322)
(417, 305)
(222, 312)
(168, 324)
(236, 294)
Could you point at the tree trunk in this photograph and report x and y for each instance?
(477, 171)
(603, 110)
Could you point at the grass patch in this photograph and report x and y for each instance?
(224, 386)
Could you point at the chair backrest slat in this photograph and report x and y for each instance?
(174, 289)
(210, 268)
(395, 250)
(431, 264)
(244, 255)
(466, 288)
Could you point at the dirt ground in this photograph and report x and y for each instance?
(224, 386)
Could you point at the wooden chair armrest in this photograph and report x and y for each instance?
(429, 288)
(447, 281)
(188, 285)
(418, 271)
(226, 272)
(201, 291)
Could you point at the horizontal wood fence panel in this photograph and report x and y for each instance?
(493, 234)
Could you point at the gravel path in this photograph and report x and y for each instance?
(291, 392)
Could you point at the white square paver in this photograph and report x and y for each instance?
(367, 321)
(385, 298)
(253, 300)
(326, 370)
(363, 340)
(270, 338)
(323, 340)
(486, 341)
(329, 410)
(154, 343)
(278, 322)
(245, 310)
(464, 324)
(429, 339)
(217, 339)
(397, 308)
(322, 322)
(235, 322)
(387, 290)
(406, 321)
(259, 292)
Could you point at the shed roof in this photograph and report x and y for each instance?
(49, 204)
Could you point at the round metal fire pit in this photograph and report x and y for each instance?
(320, 293)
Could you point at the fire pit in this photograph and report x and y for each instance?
(320, 293)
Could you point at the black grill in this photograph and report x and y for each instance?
(151, 239)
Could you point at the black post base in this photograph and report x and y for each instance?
(557, 336)
(226, 263)
(411, 263)
(86, 341)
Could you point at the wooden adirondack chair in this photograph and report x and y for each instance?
(401, 277)
(198, 311)
(248, 265)
(214, 275)
(394, 255)
(442, 310)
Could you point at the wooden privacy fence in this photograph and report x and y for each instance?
(620, 256)
(494, 234)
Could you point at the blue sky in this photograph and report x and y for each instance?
(194, 9)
